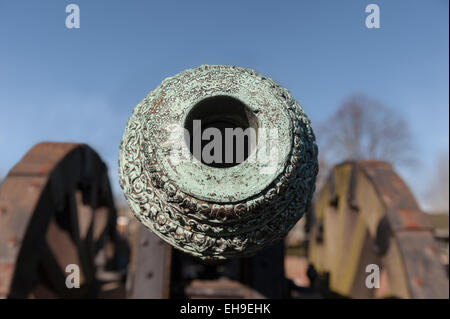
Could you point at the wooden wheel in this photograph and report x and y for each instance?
(56, 209)
(365, 214)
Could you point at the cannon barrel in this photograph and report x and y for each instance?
(259, 183)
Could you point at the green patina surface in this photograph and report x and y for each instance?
(211, 212)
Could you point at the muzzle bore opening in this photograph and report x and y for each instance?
(221, 131)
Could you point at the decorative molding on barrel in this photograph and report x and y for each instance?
(209, 212)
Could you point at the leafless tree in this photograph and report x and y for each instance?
(363, 128)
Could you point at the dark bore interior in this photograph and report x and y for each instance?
(220, 112)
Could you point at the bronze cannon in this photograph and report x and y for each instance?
(221, 209)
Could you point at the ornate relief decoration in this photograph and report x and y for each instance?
(209, 212)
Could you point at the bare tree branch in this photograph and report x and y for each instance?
(363, 128)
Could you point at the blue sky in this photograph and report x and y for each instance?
(81, 85)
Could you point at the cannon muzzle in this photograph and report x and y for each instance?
(218, 161)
